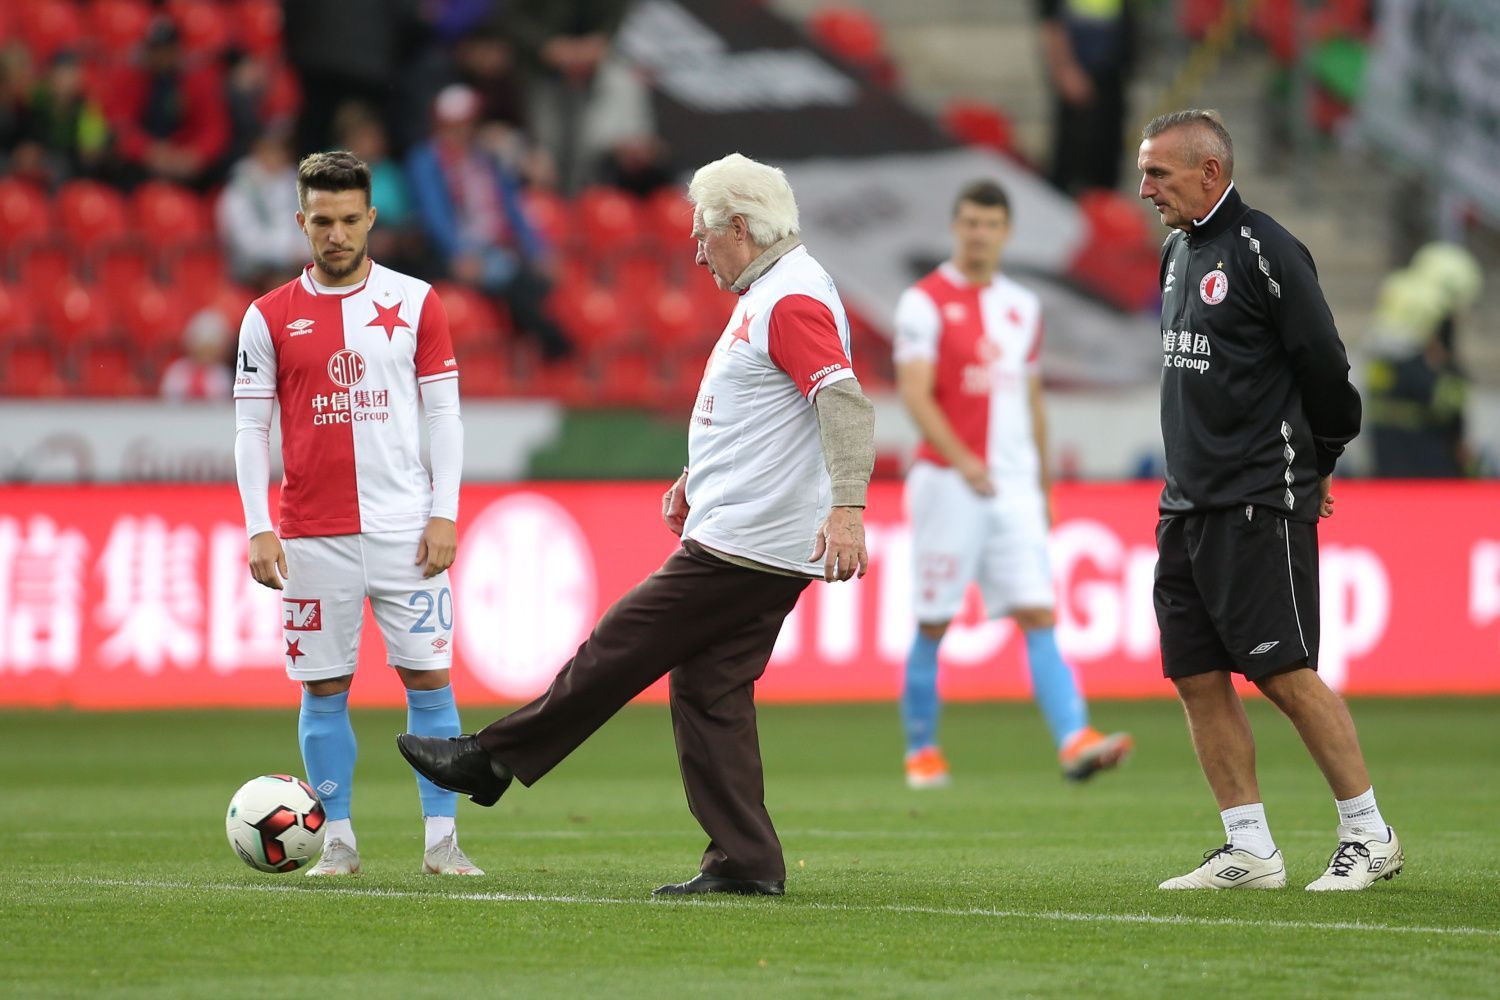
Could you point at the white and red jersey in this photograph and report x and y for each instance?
(757, 484)
(345, 366)
(985, 342)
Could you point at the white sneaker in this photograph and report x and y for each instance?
(1359, 862)
(444, 858)
(338, 858)
(1226, 868)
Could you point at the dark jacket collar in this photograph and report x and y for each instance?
(1226, 214)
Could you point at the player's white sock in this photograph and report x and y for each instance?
(341, 829)
(1247, 829)
(439, 827)
(1361, 815)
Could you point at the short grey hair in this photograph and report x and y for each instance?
(1209, 136)
(738, 185)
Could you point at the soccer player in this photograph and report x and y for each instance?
(780, 449)
(346, 348)
(1256, 408)
(978, 494)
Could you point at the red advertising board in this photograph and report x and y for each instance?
(135, 597)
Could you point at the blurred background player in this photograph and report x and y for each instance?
(967, 344)
(346, 349)
(203, 370)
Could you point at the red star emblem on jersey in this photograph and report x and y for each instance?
(292, 651)
(388, 318)
(742, 332)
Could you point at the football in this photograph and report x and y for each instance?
(275, 823)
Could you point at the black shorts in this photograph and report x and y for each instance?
(1236, 589)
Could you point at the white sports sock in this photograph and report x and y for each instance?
(439, 827)
(1361, 815)
(341, 829)
(1247, 829)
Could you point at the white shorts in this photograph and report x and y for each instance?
(323, 606)
(960, 537)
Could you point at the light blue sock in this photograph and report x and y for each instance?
(433, 713)
(919, 698)
(1055, 687)
(328, 750)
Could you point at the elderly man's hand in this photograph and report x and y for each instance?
(841, 544)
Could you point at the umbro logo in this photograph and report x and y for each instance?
(1233, 873)
(328, 787)
(299, 327)
(1376, 864)
(1265, 647)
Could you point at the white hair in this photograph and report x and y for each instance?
(738, 185)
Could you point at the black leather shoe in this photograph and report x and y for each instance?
(458, 764)
(704, 882)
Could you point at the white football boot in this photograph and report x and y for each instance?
(445, 858)
(338, 859)
(1226, 868)
(1359, 862)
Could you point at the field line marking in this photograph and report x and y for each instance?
(1059, 916)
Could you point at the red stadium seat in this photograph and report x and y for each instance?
(856, 37)
(202, 26)
(606, 220)
(1113, 220)
(669, 217)
(978, 124)
(90, 214)
(473, 319)
(484, 372)
(77, 315)
(25, 213)
(17, 315)
(154, 319)
(258, 26)
(167, 215)
(31, 370)
(591, 314)
(548, 212)
(195, 273)
(45, 269)
(640, 278)
(121, 269)
(49, 26)
(107, 371)
(675, 321)
(118, 26)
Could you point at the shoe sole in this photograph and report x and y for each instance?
(478, 798)
(918, 784)
(1105, 761)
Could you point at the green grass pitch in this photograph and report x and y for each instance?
(116, 878)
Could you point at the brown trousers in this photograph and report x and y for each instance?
(712, 625)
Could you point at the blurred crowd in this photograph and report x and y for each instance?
(465, 109)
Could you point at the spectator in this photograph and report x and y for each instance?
(484, 61)
(257, 215)
(1088, 49)
(247, 84)
(18, 155)
(397, 241)
(168, 115)
(1418, 391)
(201, 374)
(580, 101)
(470, 205)
(66, 125)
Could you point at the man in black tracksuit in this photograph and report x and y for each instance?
(1256, 408)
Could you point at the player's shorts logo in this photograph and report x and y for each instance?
(346, 368)
(298, 615)
(1213, 287)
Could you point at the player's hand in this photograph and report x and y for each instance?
(438, 547)
(977, 474)
(1074, 85)
(268, 561)
(841, 544)
(674, 505)
(1325, 496)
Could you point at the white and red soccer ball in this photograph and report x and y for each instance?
(275, 823)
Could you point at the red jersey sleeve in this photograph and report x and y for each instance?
(1034, 356)
(435, 358)
(803, 341)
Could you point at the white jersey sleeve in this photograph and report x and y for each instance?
(918, 327)
(255, 367)
(445, 437)
(252, 460)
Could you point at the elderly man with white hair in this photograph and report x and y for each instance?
(780, 450)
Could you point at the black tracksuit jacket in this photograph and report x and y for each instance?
(1256, 403)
